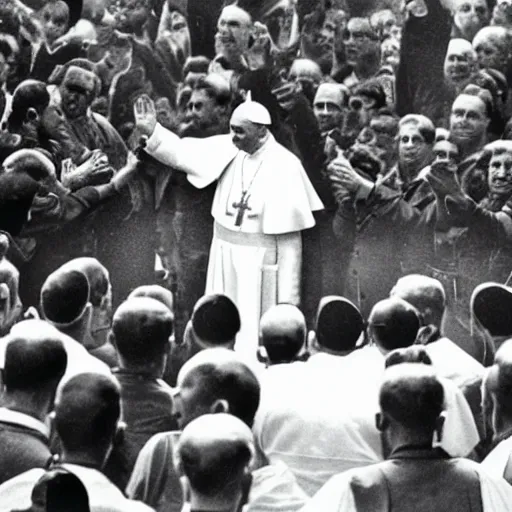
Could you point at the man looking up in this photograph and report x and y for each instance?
(141, 332)
(411, 401)
(32, 371)
(249, 212)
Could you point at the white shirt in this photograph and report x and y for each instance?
(496, 462)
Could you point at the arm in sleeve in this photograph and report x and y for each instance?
(289, 259)
(335, 496)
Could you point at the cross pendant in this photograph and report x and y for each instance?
(242, 206)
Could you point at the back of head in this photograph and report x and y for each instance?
(491, 305)
(283, 332)
(372, 88)
(142, 328)
(28, 94)
(426, 294)
(224, 376)
(33, 359)
(87, 412)
(393, 324)
(339, 324)
(413, 396)
(213, 452)
(64, 297)
(215, 320)
(157, 292)
(97, 276)
(413, 354)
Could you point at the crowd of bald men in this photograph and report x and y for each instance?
(387, 388)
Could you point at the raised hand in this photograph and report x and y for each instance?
(145, 115)
(442, 177)
(342, 173)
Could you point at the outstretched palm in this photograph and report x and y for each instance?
(145, 115)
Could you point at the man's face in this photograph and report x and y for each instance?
(328, 114)
(334, 23)
(384, 21)
(74, 99)
(457, 66)
(412, 147)
(500, 174)
(55, 20)
(130, 15)
(390, 52)
(468, 120)
(308, 74)
(360, 41)
(244, 134)
(492, 53)
(233, 32)
(190, 398)
(201, 109)
(446, 151)
(53, 122)
(502, 13)
(471, 16)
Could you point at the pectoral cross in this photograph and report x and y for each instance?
(242, 205)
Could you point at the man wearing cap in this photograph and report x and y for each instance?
(262, 202)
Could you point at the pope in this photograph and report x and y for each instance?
(262, 202)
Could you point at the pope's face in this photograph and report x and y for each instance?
(457, 66)
(244, 134)
(233, 32)
(500, 174)
(471, 16)
(412, 147)
(491, 53)
(468, 120)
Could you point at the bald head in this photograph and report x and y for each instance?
(33, 359)
(214, 452)
(283, 332)
(393, 324)
(425, 294)
(32, 162)
(141, 329)
(412, 396)
(157, 292)
(219, 374)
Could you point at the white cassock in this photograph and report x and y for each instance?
(256, 253)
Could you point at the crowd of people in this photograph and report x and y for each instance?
(256, 255)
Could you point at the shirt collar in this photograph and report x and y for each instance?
(23, 420)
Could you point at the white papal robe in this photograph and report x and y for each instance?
(256, 255)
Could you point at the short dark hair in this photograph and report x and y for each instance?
(216, 319)
(32, 363)
(372, 88)
(212, 478)
(87, 411)
(141, 336)
(221, 97)
(339, 325)
(232, 381)
(284, 348)
(412, 395)
(29, 94)
(64, 296)
(413, 354)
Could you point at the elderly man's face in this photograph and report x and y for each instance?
(412, 147)
(471, 16)
(361, 42)
(502, 13)
(384, 21)
(468, 120)
(233, 32)
(499, 176)
(457, 66)
(244, 134)
(492, 53)
(74, 99)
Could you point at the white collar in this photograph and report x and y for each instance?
(23, 420)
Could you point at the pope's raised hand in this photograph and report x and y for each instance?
(145, 115)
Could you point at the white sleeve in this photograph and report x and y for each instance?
(289, 260)
(496, 493)
(335, 496)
